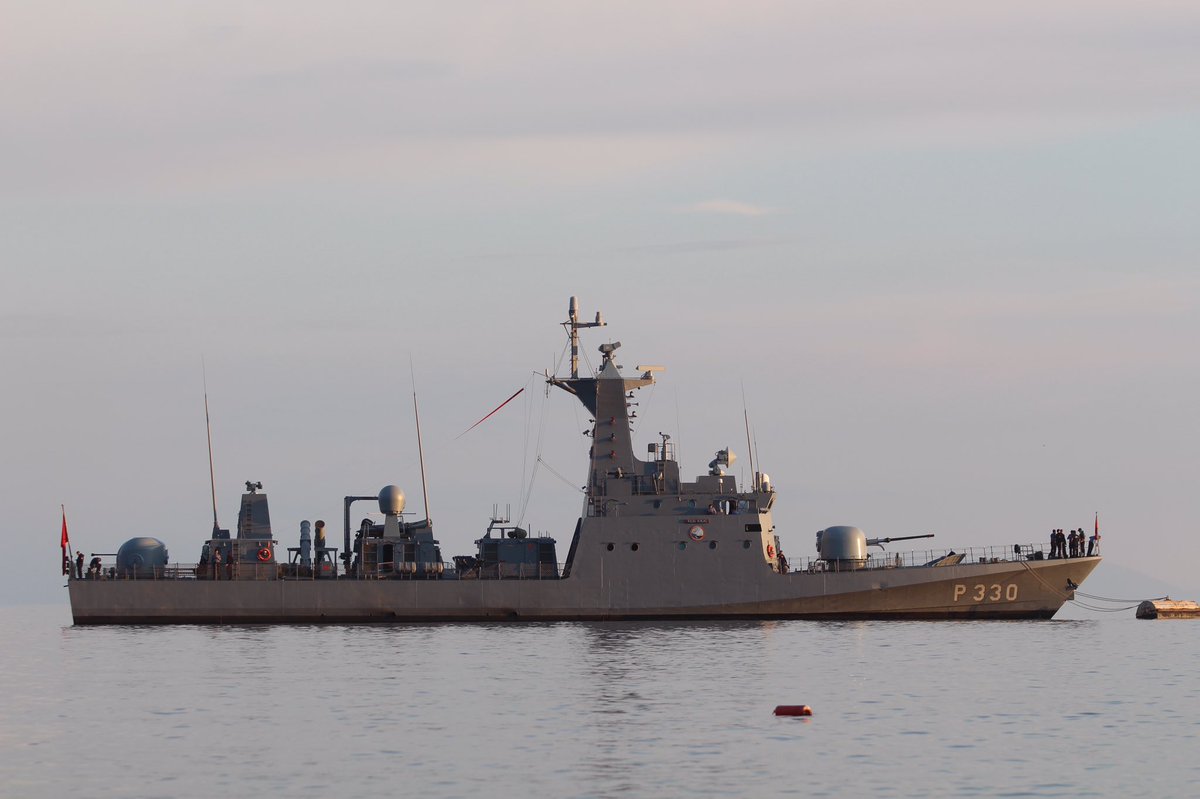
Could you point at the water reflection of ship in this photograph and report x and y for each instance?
(648, 545)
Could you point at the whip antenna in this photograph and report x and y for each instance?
(420, 450)
(749, 446)
(212, 481)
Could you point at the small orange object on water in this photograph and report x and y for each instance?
(793, 710)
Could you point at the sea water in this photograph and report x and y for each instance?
(1105, 707)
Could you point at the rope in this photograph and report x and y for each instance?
(1042, 580)
(541, 433)
(1104, 610)
(1110, 599)
(1078, 602)
(559, 476)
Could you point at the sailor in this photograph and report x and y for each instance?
(1075, 543)
(217, 564)
(1054, 543)
(94, 568)
(79, 565)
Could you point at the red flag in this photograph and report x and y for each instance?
(1097, 524)
(66, 542)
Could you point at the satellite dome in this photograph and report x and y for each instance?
(391, 501)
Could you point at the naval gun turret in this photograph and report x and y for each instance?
(844, 547)
(142, 557)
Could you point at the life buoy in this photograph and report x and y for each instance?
(264, 554)
(770, 551)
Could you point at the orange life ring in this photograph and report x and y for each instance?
(264, 554)
(770, 551)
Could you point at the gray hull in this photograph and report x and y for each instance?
(649, 544)
(1006, 590)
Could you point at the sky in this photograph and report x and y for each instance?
(947, 254)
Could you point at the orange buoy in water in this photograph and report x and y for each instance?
(793, 710)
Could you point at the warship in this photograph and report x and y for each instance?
(648, 544)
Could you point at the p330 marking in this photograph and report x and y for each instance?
(983, 592)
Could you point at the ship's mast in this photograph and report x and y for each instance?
(573, 325)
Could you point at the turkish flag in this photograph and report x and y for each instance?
(66, 561)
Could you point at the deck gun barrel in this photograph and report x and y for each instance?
(879, 542)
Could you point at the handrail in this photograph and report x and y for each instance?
(1016, 553)
(927, 558)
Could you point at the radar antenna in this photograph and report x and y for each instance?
(573, 325)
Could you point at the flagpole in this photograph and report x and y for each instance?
(65, 542)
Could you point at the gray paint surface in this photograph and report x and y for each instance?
(648, 546)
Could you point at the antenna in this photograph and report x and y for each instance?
(573, 325)
(749, 446)
(756, 458)
(420, 449)
(212, 480)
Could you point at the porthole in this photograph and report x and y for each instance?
(658, 503)
(745, 545)
(682, 545)
(634, 547)
(712, 544)
(609, 547)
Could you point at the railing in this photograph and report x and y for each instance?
(509, 571)
(272, 571)
(548, 571)
(189, 571)
(929, 557)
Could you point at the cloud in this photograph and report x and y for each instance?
(728, 208)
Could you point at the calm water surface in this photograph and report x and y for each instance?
(1108, 707)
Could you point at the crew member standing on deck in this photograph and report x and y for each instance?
(217, 564)
(79, 565)
(1054, 543)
